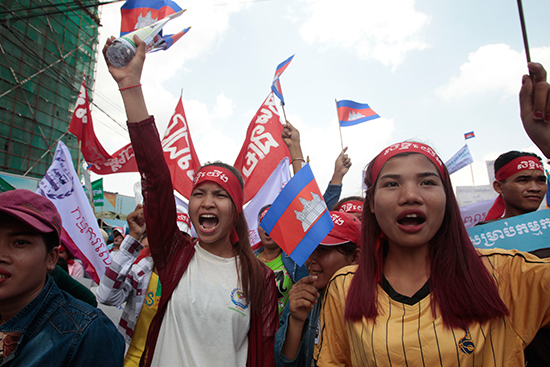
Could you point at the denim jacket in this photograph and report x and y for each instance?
(304, 357)
(59, 330)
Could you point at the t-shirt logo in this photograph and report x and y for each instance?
(237, 297)
(466, 344)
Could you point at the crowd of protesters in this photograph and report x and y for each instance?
(397, 280)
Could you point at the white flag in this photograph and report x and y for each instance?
(80, 230)
(266, 195)
(461, 159)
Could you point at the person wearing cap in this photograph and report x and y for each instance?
(520, 182)
(40, 324)
(287, 272)
(218, 305)
(118, 237)
(132, 280)
(299, 326)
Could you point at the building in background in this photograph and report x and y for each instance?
(46, 46)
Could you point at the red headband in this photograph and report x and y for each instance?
(226, 179)
(263, 213)
(406, 147)
(517, 165)
(509, 169)
(354, 206)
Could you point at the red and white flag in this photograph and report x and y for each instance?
(263, 148)
(80, 233)
(179, 152)
(266, 195)
(93, 152)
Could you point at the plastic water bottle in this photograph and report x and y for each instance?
(120, 53)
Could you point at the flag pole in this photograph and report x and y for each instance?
(339, 126)
(524, 31)
(472, 171)
(284, 113)
(78, 163)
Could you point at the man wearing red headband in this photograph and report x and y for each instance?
(520, 182)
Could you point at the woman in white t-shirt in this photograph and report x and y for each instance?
(219, 302)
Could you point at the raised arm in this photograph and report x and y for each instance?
(291, 137)
(334, 189)
(114, 287)
(158, 194)
(535, 107)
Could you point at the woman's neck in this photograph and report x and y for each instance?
(219, 248)
(270, 254)
(407, 269)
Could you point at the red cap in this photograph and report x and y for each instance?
(347, 228)
(34, 210)
(119, 230)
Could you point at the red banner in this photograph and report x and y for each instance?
(92, 150)
(179, 152)
(263, 148)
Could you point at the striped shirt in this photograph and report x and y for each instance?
(409, 335)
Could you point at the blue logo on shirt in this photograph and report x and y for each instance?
(466, 344)
(237, 297)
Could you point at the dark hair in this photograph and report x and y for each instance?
(51, 240)
(461, 287)
(345, 200)
(510, 156)
(347, 249)
(251, 269)
(261, 211)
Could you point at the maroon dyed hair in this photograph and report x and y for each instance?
(462, 288)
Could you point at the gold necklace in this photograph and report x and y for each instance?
(266, 260)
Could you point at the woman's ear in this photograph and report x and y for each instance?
(53, 255)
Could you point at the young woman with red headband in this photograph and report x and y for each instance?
(218, 304)
(422, 295)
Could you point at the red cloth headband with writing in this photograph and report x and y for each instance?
(406, 147)
(225, 178)
(517, 165)
(354, 206)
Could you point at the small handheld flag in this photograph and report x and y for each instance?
(276, 85)
(299, 219)
(469, 135)
(352, 113)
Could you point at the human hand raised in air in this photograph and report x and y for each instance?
(534, 105)
(341, 167)
(136, 222)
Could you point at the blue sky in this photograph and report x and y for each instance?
(433, 70)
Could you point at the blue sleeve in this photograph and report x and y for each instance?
(100, 345)
(280, 359)
(332, 195)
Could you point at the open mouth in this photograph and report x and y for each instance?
(208, 221)
(4, 276)
(411, 219)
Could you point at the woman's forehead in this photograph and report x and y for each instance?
(413, 162)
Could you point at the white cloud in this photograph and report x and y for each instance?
(491, 68)
(224, 107)
(382, 30)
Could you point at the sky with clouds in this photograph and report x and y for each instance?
(433, 70)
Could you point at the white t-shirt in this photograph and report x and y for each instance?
(207, 320)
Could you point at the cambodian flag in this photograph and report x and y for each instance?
(170, 39)
(352, 113)
(469, 135)
(298, 219)
(137, 14)
(276, 86)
